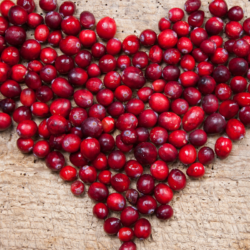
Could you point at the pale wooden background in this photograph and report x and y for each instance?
(38, 211)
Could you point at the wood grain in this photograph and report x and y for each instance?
(38, 211)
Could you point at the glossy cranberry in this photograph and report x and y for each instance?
(116, 160)
(159, 103)
(196, 170)
(5, 7)
(44, 94)
(129, 136)
(107, 142)
(83, 98)
(87, 20)
(164, 24)
(93, 70)
(164, 212)
(105, 97)
(146, 204)
(235, 129)
(107, 63)
(34, 66)
(169, 121)
(15, 36)
(8, 105)
(158, 135)
(116, 109)
(106, 28)
(25, 145)
(181, 28)
(133, 169)
(122, 93)
(112, 80)
(163, 193)
(238, 66)
(210, 104)
(206, 155)
(26, 129)
(229, 44)
(134, 106)
(205, 68)
(114, 46)
(233, 30)
(126, 121)
(179, 106)
(48, 73)
(187, 154)
(77, 188)
(131, 44)
(159, 170)
(91, 127)
(71, 143)
(10, 56)
(132, 197)
(21, 114)
(241, 48)
(55, 142)
(220, 56)
(40, 109)
(34, 19)
(153, 72)
(41, 149)
(87, 38)
(70, 45)
(192, 5)
(143, 134)
(116, 202)
(77, 77)
(55, 37)
(171, 73)
(57, 125)
(112, 225)
(244, 116)
(100, 211)
(94, 85)
(142, 229)
(140, 60)
(64, 64)
(223, 91)
(2, 43)
(71, 26)
(185, 45)
(87, 174)
(101, 163)
(77, 159)
(126, 234)
(145, 184)
(246, 26)
(178, 138)
(147, 118)
(192, 96)
(208, 47)
(120, 182)
(17, 15)
(76, 131)
(123, 62)
(133, 78)
(6, 122)
(243, 99)
(187, 63)
(155, 54)
(145, 93)
(173, 90)
(30, 50)
(175, 14)
(214, 124)
(198, 35)
(167, 39)
(90, 148)
(68, 173)
(171, 56)
(33, 80)
(53, 20)
(229, 109)
(218, 40)
(223, 147)
(148, 37)
(176, 180)
(48, 55)
(218, 8)
(48, 5)
(43, 130)
(98, 192)
(10, 89)
(105, 177)
(198, 138)
(199, 55)
(97, 111)
(61, 87)
(122, 146)
(168, 152)
(67, 8)
(189, 79)
(158, 85)
(221, 74)
(214, 26)
(196, 18)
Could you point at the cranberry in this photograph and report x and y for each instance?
(158, 135)
(199, 55)
(48, 74)
(43, 130)
(167, 39)
(25, 145)
(94, 85)
(77, 77)
(55, 161)
(196, 18)
(15, 36)
(126, 234)
(98, 50)
(83, 98)
(112, 225)
(120, 182)
(155, 54)
(5, 7)
(171, 56)
(40, 109)
(164, 212)
(132, 197)
(187, 63)
(198, 35)
(10, 89)
(244, 116)
(35, 66)
(163, 193)
(87, 174)
(205, 68)
(10, 56)
(173, 90)
(214, 124)
(220, 56)
(246, 26)
(53, 20)
(192, 5)
(98, 192)
(229, 44)
(67, 8)
(92, 127)
(116, 109)
(233, 30)
(235, 129)
(168, 152)
(55, 142)
(238, 66)
(71, 143)
(87, 20)
(61, 87)
(179, 106)
(229, 109)
(145, 93)
(101, 162)
(107, 143)
(145, 184)
(214, 26)
(41, 149)
(44, 94)
(210, 104)
(97, 111)
(187, 154)
(158, 85)
(148, 37)
(133, 169)
(8, 105)
(105, 177)
(64, 64)
(77, 188)
(140, 60)
(6, 122)
(48, 5)
(169, 121)
(189, 79)
(114, 46)
(76, 131)
(116, 202)
(164, 24)
(129, 136)
(196, 170)
(236, 13)
(34, 19)
(87, 38)
(70, 45)
(243, 99)
(218, 40)
(181, 28)
(68, 173)
(143, 134)
(146, 204)
(123, 62)
(223, 147)
(21, 114)
(218, 8)
(206, 155)
(185, 45)
(57, 125)
(30, 50)
(55, 37)
(159, 103)
(131, 44)
(175, 14)
(71, 26)
(142, 229)
(208, 47)
(171, 73)
(5, 72)
(25, 129)
(126, 121)
(198, 138)
(17, 15)
(178, 138)
(159, 170)
(221, 74)
(223, 91)
(122, 146)
(192, 96)
(116, 160)
(134, 106)
(106, 28)
(93, 70)
(100, 211)
(176, 180)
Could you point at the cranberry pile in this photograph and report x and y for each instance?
(194, 79)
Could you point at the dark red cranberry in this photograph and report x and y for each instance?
(140, 60)
(101, 162)
(210, 104)
(106, 28)
(33, 80)
(223, 147)
(15, 36)
(148, 37)
(163, 193)
(129, 136)
(134, 106)
(133, 78)
(91, 127)
(168, 152)
(198, 138)
(176, 180)
(8, 105)
(53, 20)
(94, 85)
(172, 56)
(206, 155)
(77, 159)
(123, 62)
(87, 174)
(57, 125)
(143, 134)
(132, 197)
(77, 77)
(41, 149)
(208, 47)
(133, 169)
(55, 37)
(155, 54)
(17, 15)
(146, 204)
(214, 124)
(83, 98)
(147, 118)
(112, 225)
(100, 211)
(142, 229)
(116, 109)
(145, 93)
(70, 45)
(246, 26)
(25, 130)
(48, 73)
(179, 106)
(55, 142)
(64, 64)
(48, 5)
(87, 20)
(192, 5)
(145, 184)
(10, 89)
(229, 44)
(90, 148)
(122, 146)
(192, 96)
(25, 145)
(196, 18)
(126, 121)
(131, 44)
(173, 90)
(223, 91)
(158, 135)
(171, 73)
(164, 212)
(114, 46)
(164, 24)
(21, 114)
(61, 87)
(214, 26)
(97, 111)
(67, 8)
(199, 55)
(98, 192)
(98, 50)
(77, 188)
(218, 8)
(55, 161)
(34, 19)
(44, 94)
(221, 74)
(244, 116)
(238, 66)
(30, 50)
(116, 160)
(120, 182)
(71, 26)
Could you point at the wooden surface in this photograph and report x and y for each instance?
(38, 211)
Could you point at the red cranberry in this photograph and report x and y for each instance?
(126, 121)
(131, 44)
(210, 104)
(235, 129)
(176, 180)
(238, 66)
(158, 85)
(243, 99)
(164, 212)
(6, 122)
(25, 145)
(55, 37)
(114, 46)
(25, 129)
(143, 134)
(77, 77)
(220, 56)
(93, 70)
(123, 93)
(241, 48)
(168, 152)
(126, 234)
(129, 136)
(140, 60)
(10, 56)
(53, 20)
(244, 116)
(171, 56)
(129, 216)
(44, 94)
(192, 5)
(158, 135)
(167, 39)
(233, 30)
(101, 162)
(100, 211)
(229, 44)
(199, 55)
(35, 66)
(10, 89)
(30, 50)
(64, 64)
(133, 78)
(192, 96)
(112, 80)
(94, 85)
(116, 160)
(48, 5)
(221, 74)
(87, 174)
(164, 24)
(77, 188)
(87, 38)
(106, 28)
(33, 80)
(123, 62)
(133, 169)
(173, 90)
(48, 73)
(55, 161)
(163, 193)
(146, 204)
(134, 106)
(48, 55)
(5, 7)
(116, 109)
(43, 130)
(105, 177)
(187, 154)
(132, 197)
(159, 170)
(112, 225)
(57, 125)
(91, 127)
(208, 47)
(214, 124)
(142, 229)
(223, 91)
(17, 15)
(71, 143)
(187, 63)
(87, 20)
(34, 19)
(41, 149)
(185, 45)
(223, 147)
(145, 93)
(159, 103)
(171, 73)
(83, 98)
(169, 121)
(196, 18)
(218, 40)
(68, 173)
(122, 146)
(214, 26)
(196, 170)
(198, 35)
(98, 192)
(179, 106)
(229, 109)
(205, 68)
(67, 8)
(145, 153)
(218, 8)
(189, 79)
(90, 148)
(148, 37)
(178, 138)
(70, 45)
(181, 28)
(198, 138)
(40, 109)
(8, 105)
(71, 26)
(107, 143)
(153, 72)
(120, 182)
(27, 97)
(55, 142)
(97, 111)
(15, 36)
(107, 63)
(246, 26)
(206, 155)
(116, 202)
(61, 87)
(175, 14)
(21, 114)
(155, 54)
(145, 184)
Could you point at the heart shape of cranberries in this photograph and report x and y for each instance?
(152, 108)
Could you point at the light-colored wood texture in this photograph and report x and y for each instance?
(38, 211)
